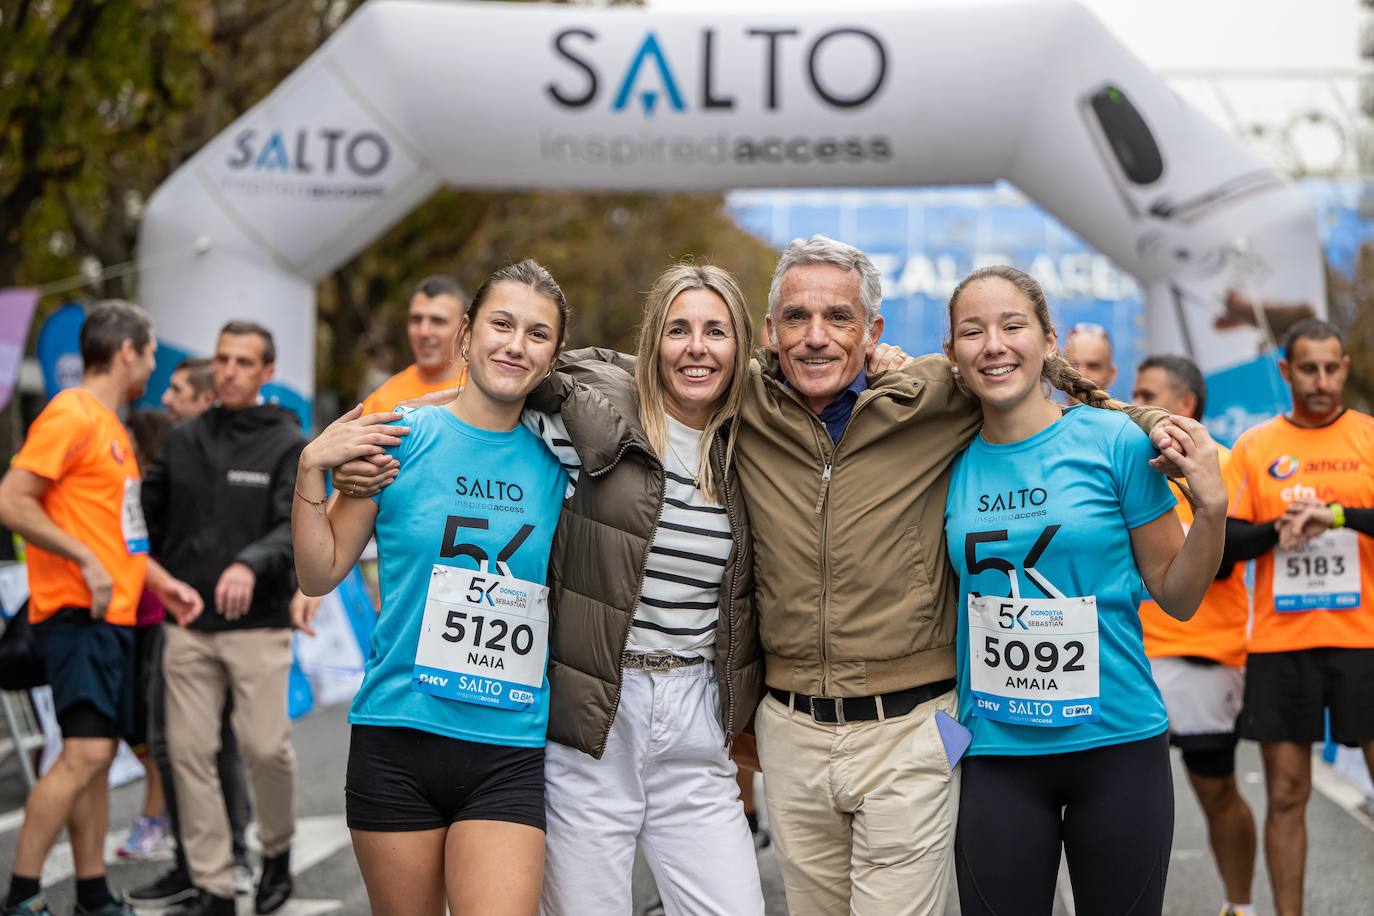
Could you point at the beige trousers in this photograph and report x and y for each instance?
(862, 814)
(200, 669)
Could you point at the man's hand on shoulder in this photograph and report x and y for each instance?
(364, 477)
(887, 357)
(234, 591)
(1162, 441)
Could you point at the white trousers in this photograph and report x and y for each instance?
(665, 783)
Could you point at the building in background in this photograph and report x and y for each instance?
(925, 240)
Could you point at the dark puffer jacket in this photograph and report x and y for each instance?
(600, 552)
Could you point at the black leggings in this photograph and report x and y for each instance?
(1111, 808)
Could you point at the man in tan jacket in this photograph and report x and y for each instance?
(845, 477)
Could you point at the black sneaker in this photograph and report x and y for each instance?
(173, 887)
(274, 887)
(205, 904)
(34, 906)
(111, 908)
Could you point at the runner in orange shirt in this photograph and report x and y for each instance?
(436, 307)
(1200, 664)
(1304, 512)
(73, 494)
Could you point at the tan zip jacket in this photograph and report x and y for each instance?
(855, 594)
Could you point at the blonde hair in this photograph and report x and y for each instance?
(670, 284)
(1056, 369)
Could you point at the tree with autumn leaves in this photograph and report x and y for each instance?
(101, 100)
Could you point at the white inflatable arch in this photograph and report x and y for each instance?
(411, 95)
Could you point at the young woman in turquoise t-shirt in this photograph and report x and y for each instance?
(445, 784)
(1053, 519)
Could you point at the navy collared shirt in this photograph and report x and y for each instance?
(836, 414)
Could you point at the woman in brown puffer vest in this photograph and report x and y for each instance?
(655, 663)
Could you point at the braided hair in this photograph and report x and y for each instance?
(1056, 369)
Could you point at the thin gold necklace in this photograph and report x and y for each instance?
(696, 475)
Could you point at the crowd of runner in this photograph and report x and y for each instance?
(955, 607)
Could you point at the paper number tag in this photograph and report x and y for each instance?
(1034, 661)
(484, 639)
(134, 526)
(1323, 574)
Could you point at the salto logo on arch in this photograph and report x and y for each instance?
(649, 81)
(708, 74)
(329, 162)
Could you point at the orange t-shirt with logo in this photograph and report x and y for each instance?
(1323, 594)
(407, 385)
(1217, 630)
(79, 444)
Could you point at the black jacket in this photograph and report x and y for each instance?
(221, 493)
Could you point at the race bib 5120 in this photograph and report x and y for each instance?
(484, 639)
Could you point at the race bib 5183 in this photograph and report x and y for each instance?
(1323, 574)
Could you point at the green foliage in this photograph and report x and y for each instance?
(604, 249)
(101, 100)
(1350, 303)
(84, 89)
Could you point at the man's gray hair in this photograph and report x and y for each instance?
(820, 249)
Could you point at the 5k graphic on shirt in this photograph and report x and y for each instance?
(1050, 655)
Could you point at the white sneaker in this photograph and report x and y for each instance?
(243, 881)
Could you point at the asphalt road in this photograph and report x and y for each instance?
(1340, 865)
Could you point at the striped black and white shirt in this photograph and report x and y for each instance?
(679, 603)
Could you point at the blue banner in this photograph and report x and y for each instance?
(59, 348)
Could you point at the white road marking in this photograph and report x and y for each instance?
(317, 838)
(244, 907)
(1064, 888)
(11, 820)
(1339, 790)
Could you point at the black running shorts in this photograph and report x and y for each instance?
(90, 664)
(1285, 693)
(402, 779)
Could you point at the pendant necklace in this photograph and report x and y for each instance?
(696, 475)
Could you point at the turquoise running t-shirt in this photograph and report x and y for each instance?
(462, 494)
(1049, 646)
